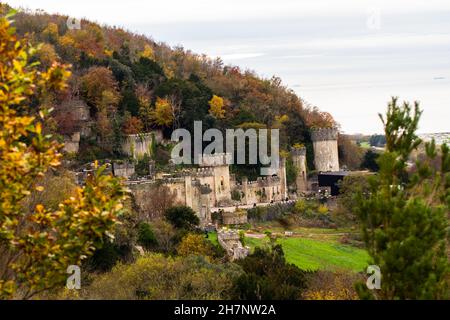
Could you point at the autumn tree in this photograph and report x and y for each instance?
(163, 113)
(132, 125)
(99, 87)
(36, 248)
(194, 244)
(404, 215)
(216, 107)
(350, 154)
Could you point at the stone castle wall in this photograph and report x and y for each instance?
(125, 170)
(264, 189)
(137, 145)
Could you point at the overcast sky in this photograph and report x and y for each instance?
(346, 57)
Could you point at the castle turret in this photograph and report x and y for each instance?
(325, 144)
(283, 180)
(221, 172)
(299, 162)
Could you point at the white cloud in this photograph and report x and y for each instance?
(239, 56)
(178, 11)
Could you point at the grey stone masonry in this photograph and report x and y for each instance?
(324, 134)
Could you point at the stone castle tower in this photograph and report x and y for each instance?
(221, 176)
(326, 157)
(283, 180)
(299, 161)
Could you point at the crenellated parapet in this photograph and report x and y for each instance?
(201, 172)
(298, 151)
(324, 134)
(217, 159)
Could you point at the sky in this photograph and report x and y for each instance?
(347, 57)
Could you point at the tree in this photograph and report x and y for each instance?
(132, 125)
(146, 236)
(155, 201)
(370, 161)
(36, 248)
(404, 214)
(216, 107)
(164, 233)
(377, 140)
(350, 154)
(267, 276)
(96, 83)
(182, 217)
(156, 277)
(194, 244)
(162, 115)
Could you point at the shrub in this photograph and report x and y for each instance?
(146, 236)
(300, 206)
(154, 276)
(194, 244)
(268, 276)
(182, 217)
(322, 209)
(328, 285)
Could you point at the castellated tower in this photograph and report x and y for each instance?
(220, 183)
(283, 181)
(299, 161)
(325, 144)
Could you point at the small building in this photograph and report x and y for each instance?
(331, 179)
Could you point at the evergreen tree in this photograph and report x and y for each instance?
(404, 215)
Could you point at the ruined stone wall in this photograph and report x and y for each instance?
(137, 145)
(72, 143)
(264, 189)
(125, 170)
(233, 218)
(229, 240)
(186, 191)
(326, 157)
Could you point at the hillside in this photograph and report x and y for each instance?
(132, 84)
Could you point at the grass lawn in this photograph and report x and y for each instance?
(212, 236)
(309, 254)
(365, 145)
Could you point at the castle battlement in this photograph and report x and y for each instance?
(298, 151)
(217, 159)
(202, 172)
(324, 134)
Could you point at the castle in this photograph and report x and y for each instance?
(210, 186)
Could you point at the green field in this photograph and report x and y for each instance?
(212, 236)
(309, 254)
(365, 145)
